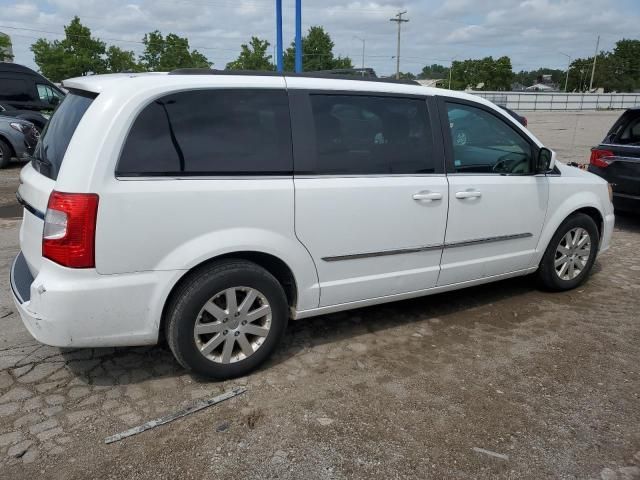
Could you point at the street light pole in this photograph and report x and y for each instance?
(298, 58)
(279, 54)
(566, 80)
(398, 19)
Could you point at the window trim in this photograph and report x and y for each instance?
(231, 175)
(442, 101)
(304, 142)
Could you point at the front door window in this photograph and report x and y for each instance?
(484, 143)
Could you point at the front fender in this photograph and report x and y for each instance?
(565, 199)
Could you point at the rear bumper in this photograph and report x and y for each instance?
(80, 308)
(625, 202)
(629, 198)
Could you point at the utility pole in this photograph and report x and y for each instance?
(566, 80)
(398, 19)
(593, 69)
(363, 43)
(451, 70)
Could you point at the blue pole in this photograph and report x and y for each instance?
(298, 36)
(279, 35)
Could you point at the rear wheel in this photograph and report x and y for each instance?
(5, 154)
(570, 254)
(226, 319)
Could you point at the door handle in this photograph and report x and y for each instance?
(469, 194)
(427, 196)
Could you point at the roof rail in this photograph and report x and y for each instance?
(265, 73)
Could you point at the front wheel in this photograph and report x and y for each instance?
(225, 320)
(570, 254)
(5, 154)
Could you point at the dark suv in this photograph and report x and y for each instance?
(617, 160)
(24, 89)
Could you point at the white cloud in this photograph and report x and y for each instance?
(530, 31)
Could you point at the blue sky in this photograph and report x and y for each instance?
(531, 32)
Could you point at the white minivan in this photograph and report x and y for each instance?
(211, 207)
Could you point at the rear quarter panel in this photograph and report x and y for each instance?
(177, 224)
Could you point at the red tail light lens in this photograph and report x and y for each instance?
(69, 229)
(599, 158)
(525, 122)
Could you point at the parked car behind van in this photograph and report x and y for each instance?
(23, 88)
(38, 119)
(617, 160)
(214, 207)
(18, 139)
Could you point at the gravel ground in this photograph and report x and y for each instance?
(572, 134)
(497, 381)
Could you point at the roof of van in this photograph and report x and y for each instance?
(102, 83)
(16, 68)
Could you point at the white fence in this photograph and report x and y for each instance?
(562, 101)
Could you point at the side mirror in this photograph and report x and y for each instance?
(546, 160)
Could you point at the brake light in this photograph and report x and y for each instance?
(600, 158)
(525, 122)
(69, 231)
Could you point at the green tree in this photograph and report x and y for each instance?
(170, 52)
(489, 73)
(253, 56)
(434, 71)
(76, 55)
(5, 46)
(616, 71)
(317, 53)
(119, 60)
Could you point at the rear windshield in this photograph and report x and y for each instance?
(49, 153)
(626, 131)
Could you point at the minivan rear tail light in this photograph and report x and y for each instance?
(69, 231)
(601, 158)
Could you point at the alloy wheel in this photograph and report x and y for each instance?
(572, 253)
(232, 325)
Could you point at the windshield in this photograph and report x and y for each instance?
(49, 153)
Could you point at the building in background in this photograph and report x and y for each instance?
(6, 51)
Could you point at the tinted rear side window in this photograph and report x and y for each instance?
(211, 132)
(49, 153)
(360, 135)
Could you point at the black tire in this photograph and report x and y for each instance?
(547, 275)
(5, 154)
(184, 307)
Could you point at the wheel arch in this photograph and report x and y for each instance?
(271, 263)
(587, 205)
(596, 216)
